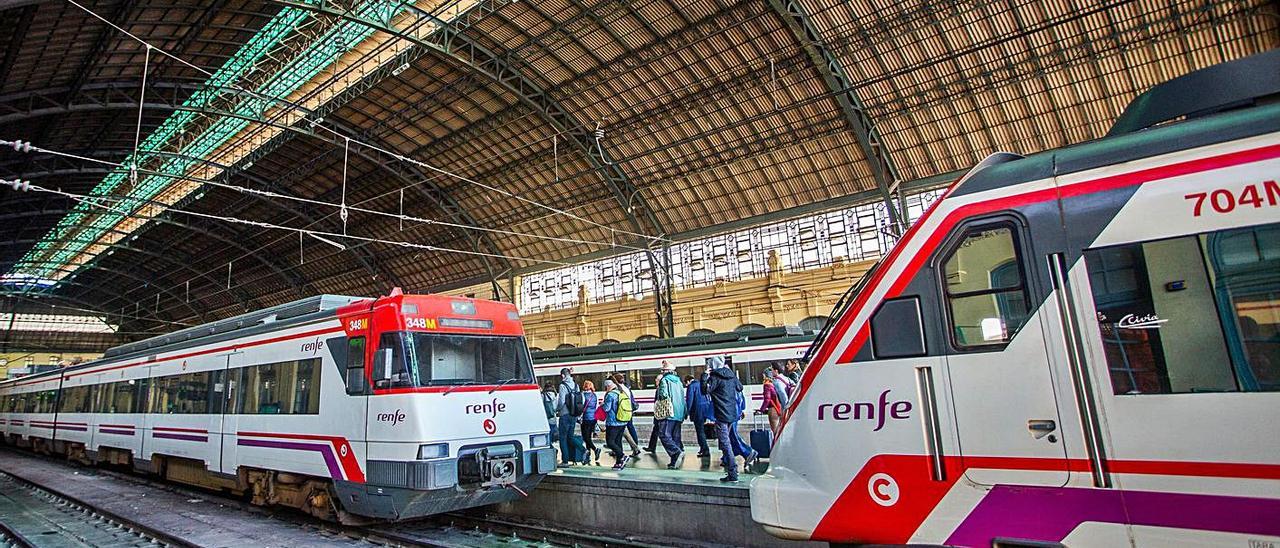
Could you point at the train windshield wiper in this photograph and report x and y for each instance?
(839, 309)
(503, 383)
(457, 386)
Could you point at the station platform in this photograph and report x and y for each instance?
(645, 499)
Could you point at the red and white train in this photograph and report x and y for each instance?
(347, 408)
(1076, 348)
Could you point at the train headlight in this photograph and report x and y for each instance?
(540, 440)
(433, 451)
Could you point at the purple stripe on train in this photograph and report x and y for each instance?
(325, 450)
(183, 437)
(117, 432)
(1049, 513)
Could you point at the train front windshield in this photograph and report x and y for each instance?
(433, 359)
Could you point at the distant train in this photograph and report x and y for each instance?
(343, 407)
(1076, 348)
(748, 352)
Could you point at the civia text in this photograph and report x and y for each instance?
(871, 411)
(395, 417)
(312, 347)
(492, 408)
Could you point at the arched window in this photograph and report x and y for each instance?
(748, 327)
(701, 332)
(813, 323)
(646, 337)
(534, 350)
(564, 346)
(609, 341)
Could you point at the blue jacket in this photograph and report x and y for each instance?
(589, 403)
(698, 404)
(611, 409)
(669, 387)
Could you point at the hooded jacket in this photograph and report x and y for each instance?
(670, 387)
(722, 386)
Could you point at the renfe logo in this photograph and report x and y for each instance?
(394, 418)
(312, 347)
(866, 410)
(492, 409)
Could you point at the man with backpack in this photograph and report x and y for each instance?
(569, 412)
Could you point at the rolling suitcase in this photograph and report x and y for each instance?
(579, 449)
(761, 438)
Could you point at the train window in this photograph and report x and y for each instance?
(1195, 313)
(118, 397)
(285, 388)
(75, 399)
(355, 366)
(429, 359)
(217, 394)
(897, 329)
(46, 401)
(986, 296)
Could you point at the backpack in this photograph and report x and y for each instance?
(575, 402)
(548, 405)
(600, 414)
(624, 406)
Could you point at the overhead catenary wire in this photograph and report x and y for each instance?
(342, 206)
(370, 146)
(331, 238)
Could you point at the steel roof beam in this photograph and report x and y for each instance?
(184, 261)
(509, 72)
(123, 273)
(798, 21)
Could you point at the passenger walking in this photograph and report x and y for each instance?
(549, 405)
(669, 413)
(631, 436)
(721, 384)
(771, 406)
(590, 403)
(699, 408)
(613, 426)
(568, 411)
(652, 447)
(794, 372)
(781, 385)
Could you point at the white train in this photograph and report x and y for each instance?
(748, 352)
(1076, 348)
(347, 408)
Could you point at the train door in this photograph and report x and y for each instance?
(1180, 325)
(230, 417)
(998, 362)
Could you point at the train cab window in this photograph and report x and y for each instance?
(1195, 313)
(355, 366)
(985, 292)
(432, 359)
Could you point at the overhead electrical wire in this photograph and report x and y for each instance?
(370, 146)
(25, 146)
(330, 238)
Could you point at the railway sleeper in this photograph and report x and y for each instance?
(309, 494)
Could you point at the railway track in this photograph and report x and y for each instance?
(31, 516)
(82, 525)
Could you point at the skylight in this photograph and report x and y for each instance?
(86, 231)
